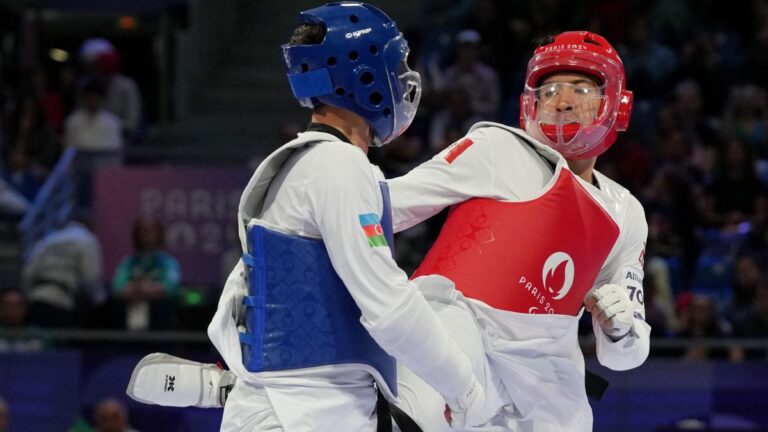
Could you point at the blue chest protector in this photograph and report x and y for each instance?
(299, 314)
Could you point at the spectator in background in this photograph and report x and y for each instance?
(122, 98)
(13, 316)
(659, 299)
(63, 274)
(102, 61)
(97, 136)
(33, 148)
(439, 20)
(453, 121)
(735, 186)
(699, 320)
(148, 280)
(670, 204)
(110, 415)
(690, 118)
(746, 118)
(701, 62)
(747, 278)
(649, 64)
(50, 100)
(752, 324)
(34, 136)
(93, 129)
(477, 79)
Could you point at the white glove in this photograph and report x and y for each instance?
(611, 307)
(467, 410)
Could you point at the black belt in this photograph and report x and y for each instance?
(385, 412)
(595, 385)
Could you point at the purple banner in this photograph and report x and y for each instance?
(197, 206)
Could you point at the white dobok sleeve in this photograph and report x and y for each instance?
(630, 351)
(489, 162)
(345, 201)
(463, 170)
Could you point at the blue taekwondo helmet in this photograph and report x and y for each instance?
(360, 65)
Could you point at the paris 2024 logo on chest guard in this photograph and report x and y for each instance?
(557, 279)
(557, 274)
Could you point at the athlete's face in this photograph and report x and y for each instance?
(572, 93)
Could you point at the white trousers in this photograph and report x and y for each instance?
(275, 408)
(531, 367)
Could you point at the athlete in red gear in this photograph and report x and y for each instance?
(535, 233)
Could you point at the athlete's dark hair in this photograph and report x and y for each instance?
(308, 34)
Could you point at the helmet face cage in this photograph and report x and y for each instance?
(405, 90)
(570, 131)
(359, 66)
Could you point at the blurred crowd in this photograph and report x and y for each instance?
(86, 104)
(696, 156)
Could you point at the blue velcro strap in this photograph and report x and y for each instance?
(311, 84)
(249, 339)
(386, 217)
(251, 301)
(249, 260)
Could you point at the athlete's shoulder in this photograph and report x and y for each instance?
(487, 128)
(500, 134)
(620, 195)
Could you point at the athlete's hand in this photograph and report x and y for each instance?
(466, 410)
(611, 307)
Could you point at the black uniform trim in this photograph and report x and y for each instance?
(321, 127)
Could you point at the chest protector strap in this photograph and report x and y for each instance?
(538, 256)
(299, 314)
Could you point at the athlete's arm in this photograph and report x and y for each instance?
(346, 206)
(628, 350)
(463, 170)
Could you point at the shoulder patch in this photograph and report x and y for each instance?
(457, 149)
(372, 229)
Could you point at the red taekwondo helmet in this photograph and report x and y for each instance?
(573, 117)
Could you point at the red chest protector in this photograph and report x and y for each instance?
(539, 256)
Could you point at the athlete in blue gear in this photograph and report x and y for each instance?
(315, 316)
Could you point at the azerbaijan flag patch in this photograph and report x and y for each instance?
(372, 229)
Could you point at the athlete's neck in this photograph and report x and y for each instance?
(583, 168)
(350, 124)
